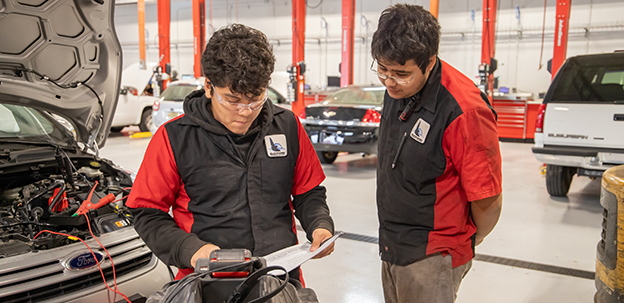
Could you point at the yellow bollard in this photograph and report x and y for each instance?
(610, 257)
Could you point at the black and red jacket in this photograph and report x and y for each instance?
(450, 156)
(229, 190)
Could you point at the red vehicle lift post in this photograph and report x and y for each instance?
(164, 20)
(434, 6)
(561, 35)
(488, 46)
(346, 66)
(298, 48)
(141, 14)
(199, 34)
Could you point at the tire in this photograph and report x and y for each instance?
(558, 179)
(116, 129)
(327, 157)
(146, 120)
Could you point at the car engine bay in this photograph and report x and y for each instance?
(54, 195)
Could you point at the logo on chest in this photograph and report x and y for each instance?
(276, 146)
(420, 131)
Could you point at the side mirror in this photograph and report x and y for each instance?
(549, 66)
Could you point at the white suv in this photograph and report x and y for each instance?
(580, 125)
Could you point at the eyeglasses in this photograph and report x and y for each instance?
(239, 107)
(400, 81)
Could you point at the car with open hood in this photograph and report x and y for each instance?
(347, 120)
(60, 69)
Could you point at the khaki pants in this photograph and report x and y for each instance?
(429, 280)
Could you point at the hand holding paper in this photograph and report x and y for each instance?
(293, 256)
(319, 236)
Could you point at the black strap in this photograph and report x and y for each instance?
(242, 290)
(409, 108)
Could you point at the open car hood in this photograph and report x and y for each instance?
(62, 56)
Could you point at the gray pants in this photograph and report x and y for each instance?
(429, 280)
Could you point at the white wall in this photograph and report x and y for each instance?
(518, 41)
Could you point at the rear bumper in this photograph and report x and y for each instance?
(581, 157)
(163, 115)
(362, 139)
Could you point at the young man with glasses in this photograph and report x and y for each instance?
(228, 167)
(439, 164)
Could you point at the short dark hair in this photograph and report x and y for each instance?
(406, 32)
(239, 57)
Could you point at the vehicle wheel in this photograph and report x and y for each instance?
(327, 157)
(146, 120)
(116, 129)
(558, 179)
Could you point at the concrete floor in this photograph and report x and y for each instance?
(534, 228)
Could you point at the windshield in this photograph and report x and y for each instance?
(591, 79)
(357, 96)
(178, 92)
(27, 124)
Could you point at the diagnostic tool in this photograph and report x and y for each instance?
(226, 263)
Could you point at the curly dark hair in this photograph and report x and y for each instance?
(239, 57)
(406, 32)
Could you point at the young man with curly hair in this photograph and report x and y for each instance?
(439, 163)
(228, 167)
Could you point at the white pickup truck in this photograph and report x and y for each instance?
(134, 106)
(580, 125)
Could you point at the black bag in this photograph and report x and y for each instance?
(187, 289)
(259, 287)
(293, 292)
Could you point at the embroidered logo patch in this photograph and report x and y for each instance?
(420, 131)
(276, 145)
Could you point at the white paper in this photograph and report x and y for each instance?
(293, 256)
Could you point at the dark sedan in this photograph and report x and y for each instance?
(345, 121)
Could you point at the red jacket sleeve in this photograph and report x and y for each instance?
(308, 171)
(309, 197)
(157, 181)
(154, 191)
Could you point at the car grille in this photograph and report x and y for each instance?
(50, 280)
